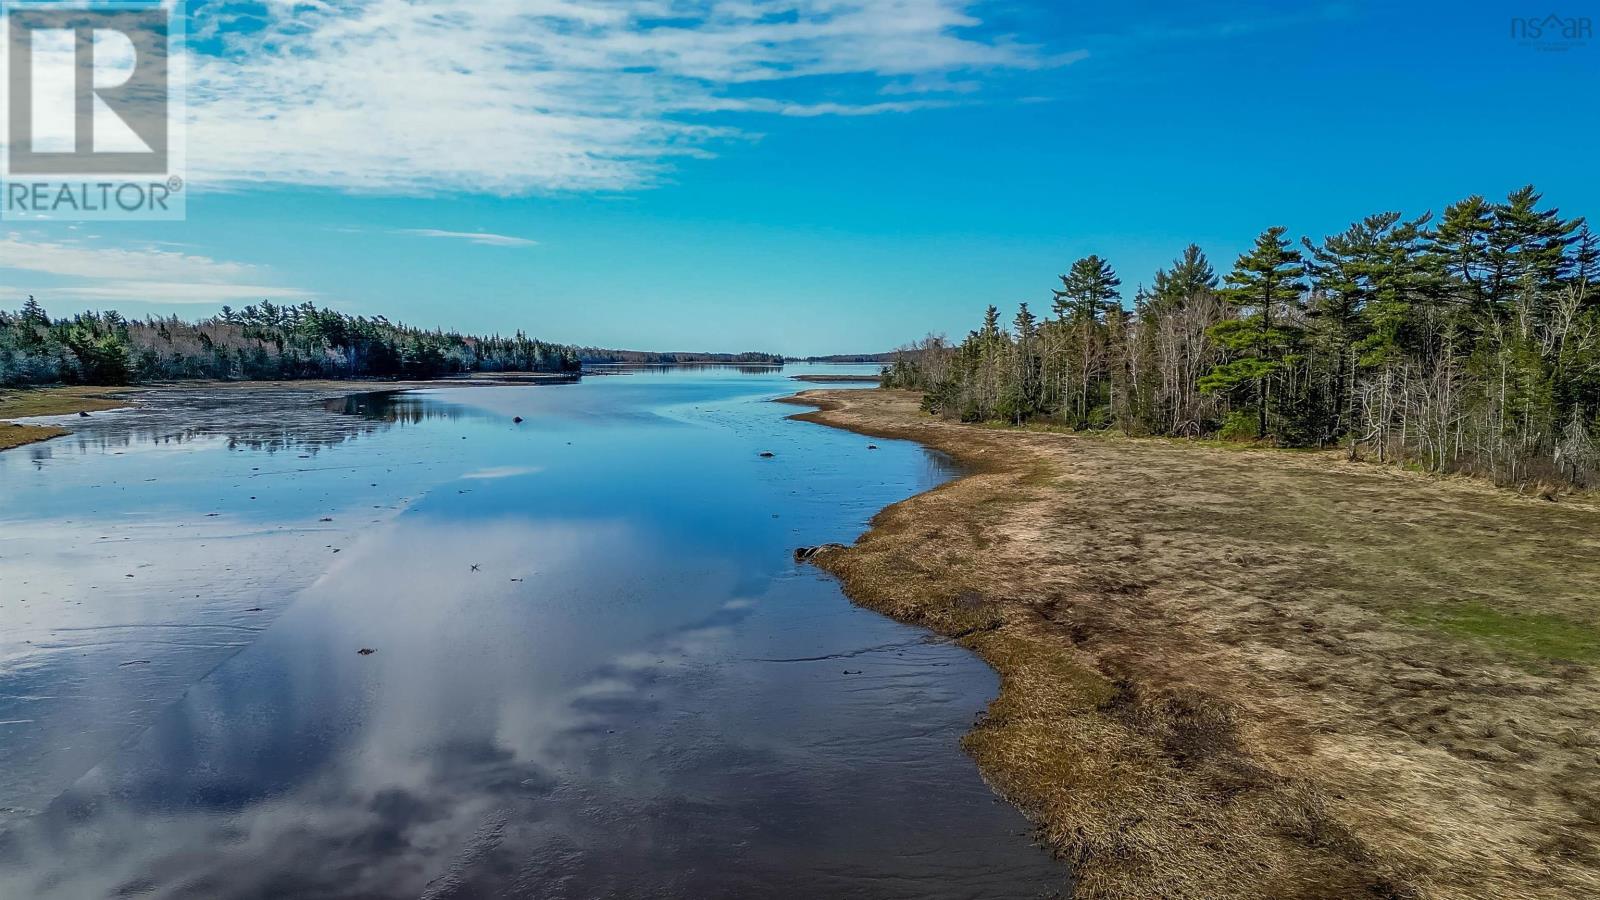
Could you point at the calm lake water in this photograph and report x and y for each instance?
(596, 670)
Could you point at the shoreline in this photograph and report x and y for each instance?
(837, 379)
(1244, 675)
(53, 400)
(65, 400)
(13, 435)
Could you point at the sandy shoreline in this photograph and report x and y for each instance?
(1242, 674)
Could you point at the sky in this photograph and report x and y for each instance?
(798, 176)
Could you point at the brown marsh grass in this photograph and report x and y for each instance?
(1261, 674)
(54, 401)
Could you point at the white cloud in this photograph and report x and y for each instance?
(179, 292)
(518, 96)
(486, 238)
(145, 274)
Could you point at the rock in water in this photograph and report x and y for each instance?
(807, 554)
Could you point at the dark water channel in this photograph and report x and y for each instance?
(596, 670)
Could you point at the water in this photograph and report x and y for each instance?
(596, 670)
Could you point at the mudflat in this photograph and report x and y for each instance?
(65, 400)
(1257, 673)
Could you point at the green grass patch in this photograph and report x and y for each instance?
(1535, 635)
(1034, 427)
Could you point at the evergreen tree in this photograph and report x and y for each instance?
(1023, 399)
(1087, 290)
(265, 341)
(1459, 249)
(1527, 247)
(1191, 275)
(1367, 282)
(1472, 345)
(1265, 286)
(991, 323)
(33, 314)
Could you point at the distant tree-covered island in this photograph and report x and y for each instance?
(269, 341)
(848, 358)
(1470, 343)
(598, 355)
(258, 342)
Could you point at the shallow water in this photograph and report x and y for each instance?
(596, 670)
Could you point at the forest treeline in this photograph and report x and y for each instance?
(1469, 342)
(270, 342)
(849, 358)
(646, 357)
(259, 342)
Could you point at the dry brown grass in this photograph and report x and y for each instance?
(17, 435)
(51, 401)
(1258, 674)
(18, 403)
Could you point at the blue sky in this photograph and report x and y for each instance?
(803, 176)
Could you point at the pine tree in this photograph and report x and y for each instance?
(991, 323)
(1459, 250)
(1528, 246)
(34, 315)
(1264, 281)
(1366, 284)
(1087, 290)
(1191, 276)
(1024, 396)
(1468, 345)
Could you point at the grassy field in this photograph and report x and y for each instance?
(58, 401)
(52, 401)
(1261, 674)
(17, 435)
